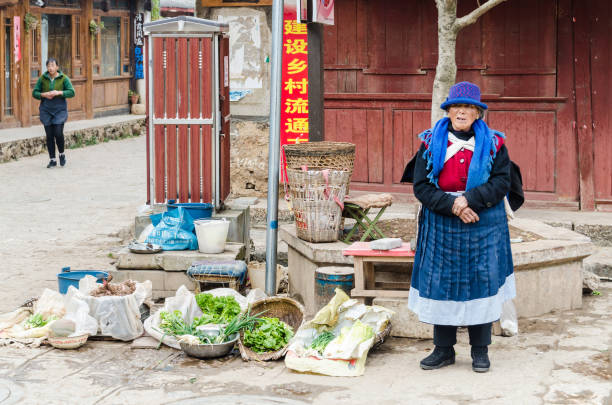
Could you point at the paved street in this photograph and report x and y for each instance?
(75, 215)
(68, 216)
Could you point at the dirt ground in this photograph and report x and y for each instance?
(74, 216)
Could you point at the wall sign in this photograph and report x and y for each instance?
(138, 63)
(139, 30)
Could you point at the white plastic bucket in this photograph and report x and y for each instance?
(211, 234)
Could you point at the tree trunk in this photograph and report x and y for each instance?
(448, 28)
(446, 70)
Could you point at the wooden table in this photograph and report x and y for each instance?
(366, 286)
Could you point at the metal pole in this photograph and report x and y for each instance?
(274, 146)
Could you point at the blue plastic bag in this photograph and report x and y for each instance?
(173, 231)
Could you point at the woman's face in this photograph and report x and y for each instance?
(52, 68)
(462, 116)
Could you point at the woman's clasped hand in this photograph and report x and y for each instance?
(463, 211)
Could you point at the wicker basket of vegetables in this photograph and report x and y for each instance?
(268, 339)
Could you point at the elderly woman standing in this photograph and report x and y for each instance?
(53, 88)
(463, 268)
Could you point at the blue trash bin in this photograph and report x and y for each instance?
(72, 277)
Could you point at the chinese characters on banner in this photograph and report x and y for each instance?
(294, 87)
(17, 37)
(138, 44)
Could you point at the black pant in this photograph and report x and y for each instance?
(55, 134)
(446, 336)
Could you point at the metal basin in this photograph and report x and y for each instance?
(205, 351)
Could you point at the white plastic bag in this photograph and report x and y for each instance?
(117, 316)
(50, 303)
(508, 319)
(183, 301)
(77, 311)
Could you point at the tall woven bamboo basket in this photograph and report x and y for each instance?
(285, 309)
(316, 196)
(325, 155)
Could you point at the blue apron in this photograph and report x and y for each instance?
(462, 273)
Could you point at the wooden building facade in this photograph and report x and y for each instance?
(98, 61)
(544, 68)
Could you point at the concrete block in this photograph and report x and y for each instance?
(546, 231)
(405, 323)
(157, 277)
(257, 275)
(548, 288)
(142, 221)
(174, 279)
(302, 281)
(600, 263)
(240, 224)
(330, 253)
(176, 260)
(244, 201)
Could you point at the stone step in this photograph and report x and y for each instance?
(177, 260)
(600, 263)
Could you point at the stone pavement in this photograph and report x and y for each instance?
(74, 216)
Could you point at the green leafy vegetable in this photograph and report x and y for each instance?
(172, 323)
(321, 341)
(216, 309)
(269, 334)
(37, 321)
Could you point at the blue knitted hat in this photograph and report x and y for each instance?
(463, 93)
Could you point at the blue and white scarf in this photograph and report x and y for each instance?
(482, 159)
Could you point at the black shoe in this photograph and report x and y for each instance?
(440, 357)
(62, 160)
(52, 163)
(480, 359)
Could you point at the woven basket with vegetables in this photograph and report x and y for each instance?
(268, 339)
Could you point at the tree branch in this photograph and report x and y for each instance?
(471, 18)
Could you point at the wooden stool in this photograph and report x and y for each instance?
(365, 280)
(358, 208)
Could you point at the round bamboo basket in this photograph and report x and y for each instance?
(285, 309)
(328, 155)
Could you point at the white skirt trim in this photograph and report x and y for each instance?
(462, 313)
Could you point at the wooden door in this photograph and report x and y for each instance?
(600, 23)
(182, 119)
(8, 73)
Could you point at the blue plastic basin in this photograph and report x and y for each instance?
(196, 210)
(67, 278)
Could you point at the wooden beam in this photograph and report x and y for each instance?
(87, 55)
(584, 119)
(25, 109)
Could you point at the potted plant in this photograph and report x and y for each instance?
(133, 96)
(30, 22)
(95, 28)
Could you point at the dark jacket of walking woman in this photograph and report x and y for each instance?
(53, 88)
(463, 270)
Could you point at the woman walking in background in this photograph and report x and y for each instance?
(53, 88)
(463, 268)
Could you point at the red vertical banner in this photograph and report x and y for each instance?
(294, 87)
